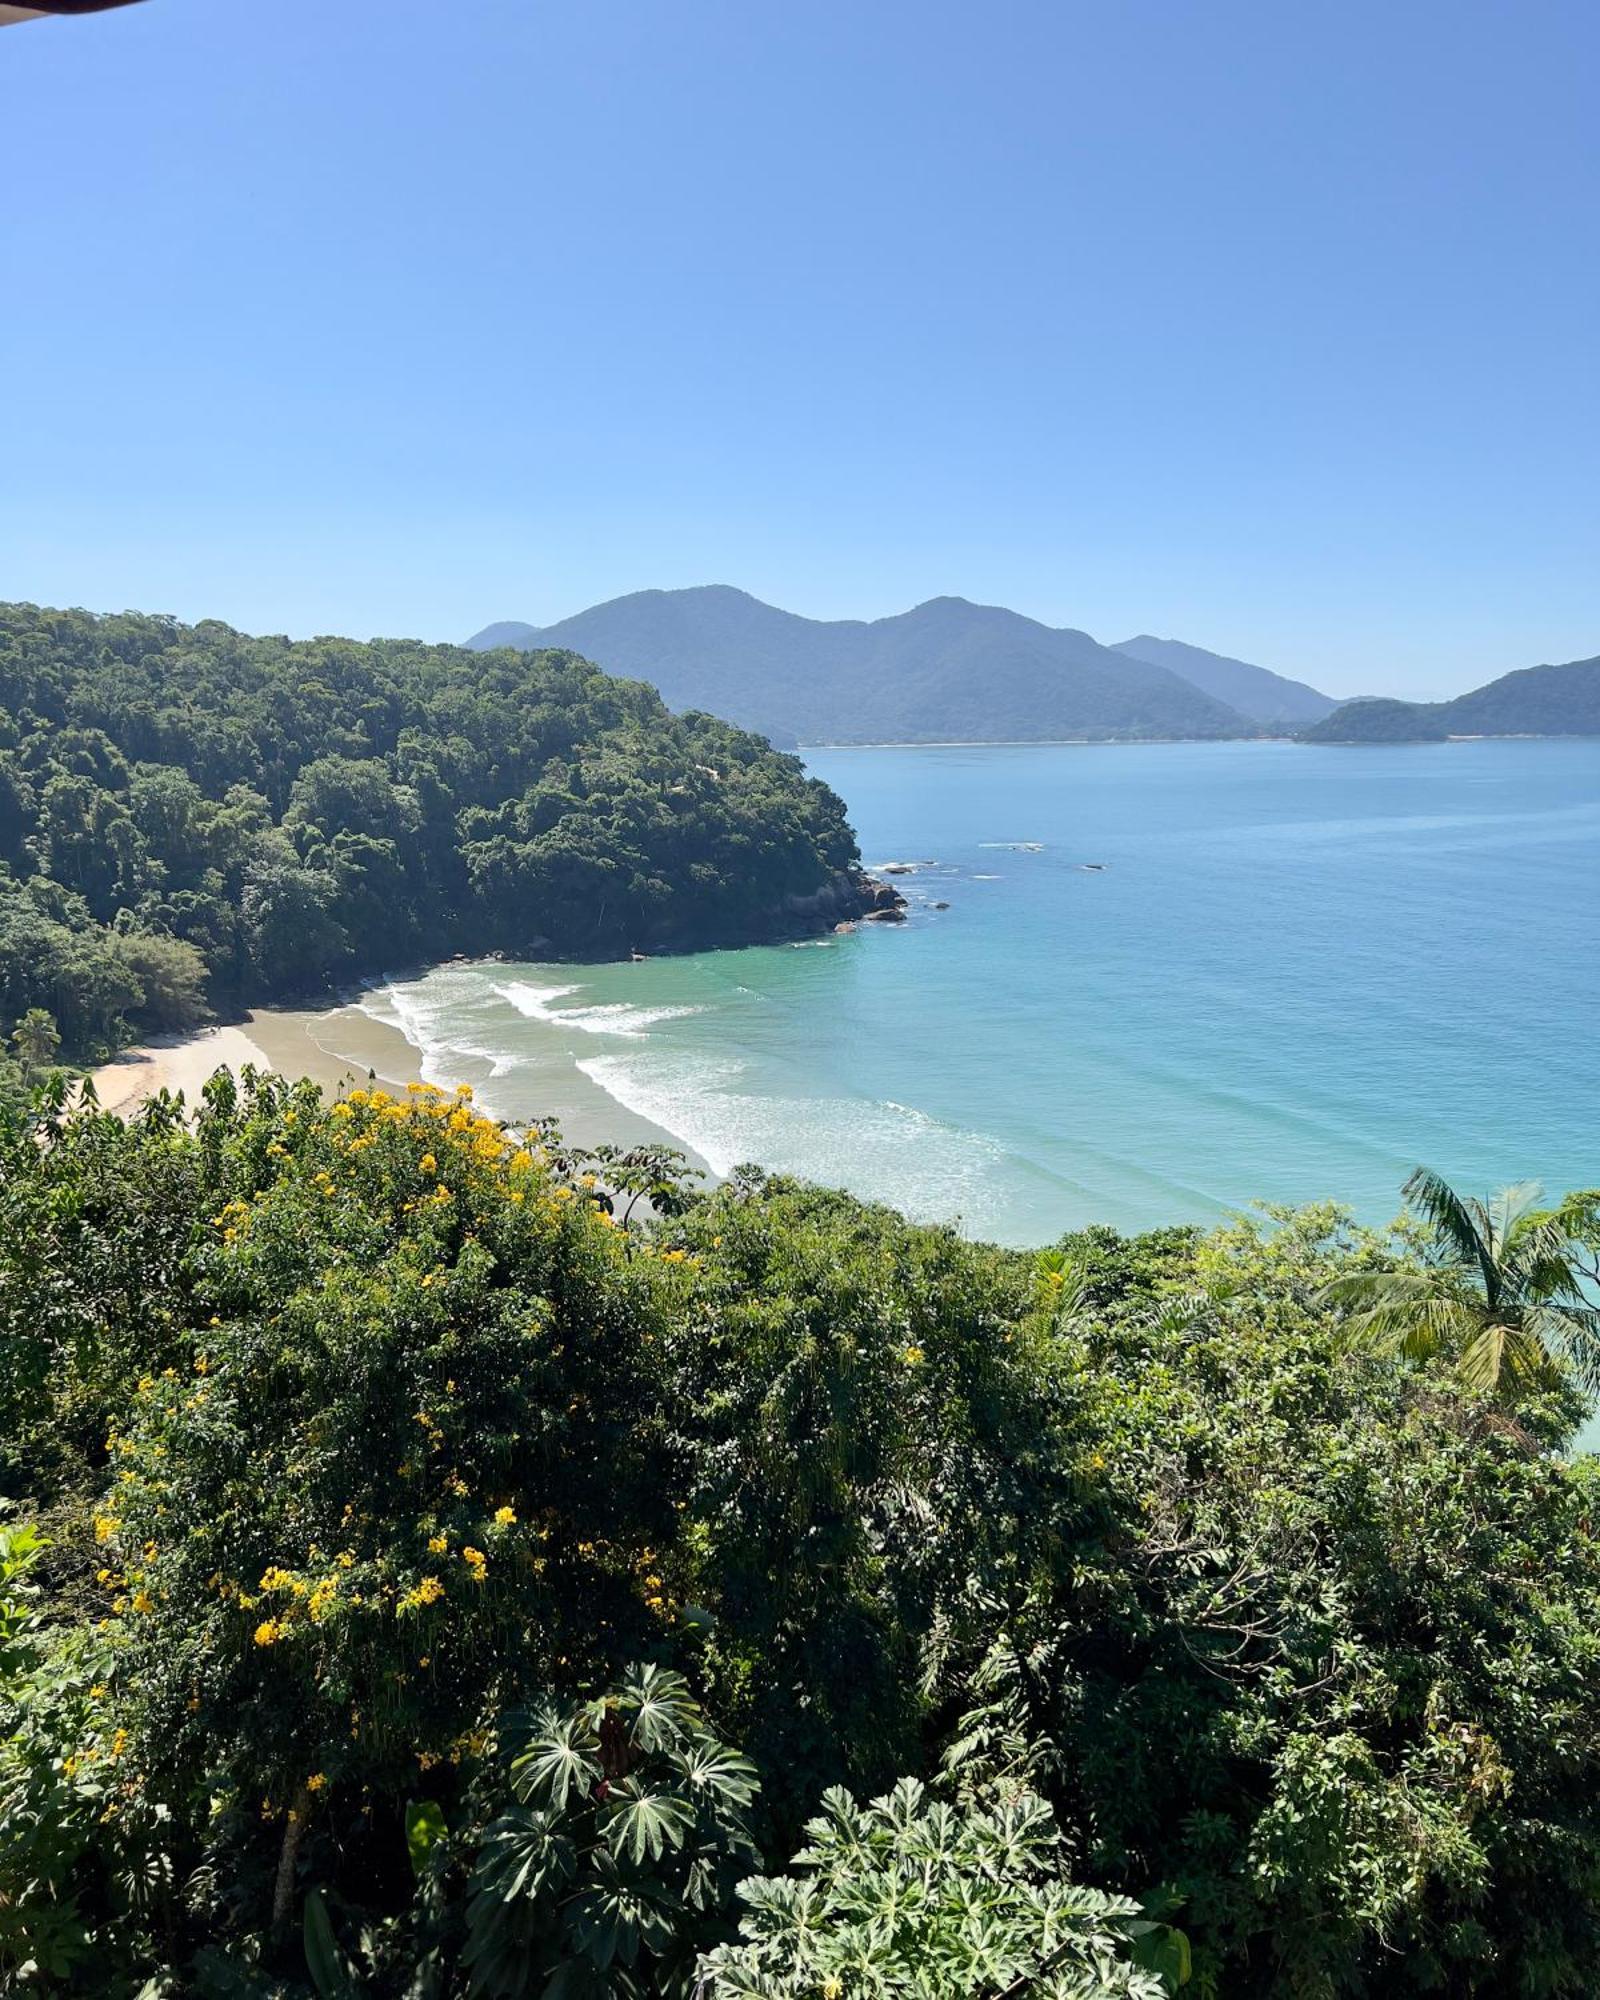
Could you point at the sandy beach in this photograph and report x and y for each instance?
(175, 1064)
(271, 1039)
(341, 1046)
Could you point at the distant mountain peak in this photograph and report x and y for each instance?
(948, 669)
(1268, 698)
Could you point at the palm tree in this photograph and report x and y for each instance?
(1503, 1293)
(36, 1039)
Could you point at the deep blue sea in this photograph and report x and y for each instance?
(1171, 980)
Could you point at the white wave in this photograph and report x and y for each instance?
(612, 1017)
(534, 1001)
(880, 1149)
(429, 1013)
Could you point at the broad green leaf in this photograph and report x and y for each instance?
(637, 1822)
(329, 1968)
(425, 1828)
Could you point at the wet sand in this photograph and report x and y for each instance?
(342, 1046)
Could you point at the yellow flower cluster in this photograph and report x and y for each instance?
(428, 1591)
(652, 1583)
(232, 1219)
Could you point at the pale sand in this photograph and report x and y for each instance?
(304, 1042)
(271, 1039)
(170, 1063)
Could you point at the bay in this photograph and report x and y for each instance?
(1172, 979)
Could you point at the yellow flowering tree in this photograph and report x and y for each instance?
(409, 1470)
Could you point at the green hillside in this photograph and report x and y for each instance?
(1536, 701)
(187, 805)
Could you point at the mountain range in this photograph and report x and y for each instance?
(1535, 701)
(947, 671)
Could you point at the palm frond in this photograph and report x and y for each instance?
(1573, 1332)
(1497, 1350)
(1509, 1207)
(1542, 1264)
(1462, 1225)
(1410, 1314)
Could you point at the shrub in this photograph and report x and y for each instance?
(624, 1846)
(917, 1898)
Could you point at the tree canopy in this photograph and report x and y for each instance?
(420, 1579)
(185, 808)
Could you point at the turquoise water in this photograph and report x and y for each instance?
(1296, 973)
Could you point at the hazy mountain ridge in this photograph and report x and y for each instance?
(1550, 700)
(1256, 692)
(948, 670)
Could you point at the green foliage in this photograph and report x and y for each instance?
(36, 1039)
(627, 1837)
(94, 1285)
(1535, 701)
(185, 803)
(404, 1454)
(868, 1405)
(1502, 1297)
(917, 1897)
(357, 1429)
(1312, 1684)
(82, 1856)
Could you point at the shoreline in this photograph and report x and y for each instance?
(342, 1045)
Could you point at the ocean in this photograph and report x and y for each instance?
(1170, 980)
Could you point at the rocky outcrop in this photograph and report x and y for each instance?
(852, 895)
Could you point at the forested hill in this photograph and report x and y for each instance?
(178, 802)
(1537, 701)
(947, 671)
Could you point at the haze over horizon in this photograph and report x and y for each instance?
(1269, 331)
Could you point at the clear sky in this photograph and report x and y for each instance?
(1269, 325)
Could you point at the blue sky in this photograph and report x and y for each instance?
(1271, 326)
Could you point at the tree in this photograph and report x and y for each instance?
(404, 1459)
(36, 1039)
(1501, 1296)
(173, 976)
